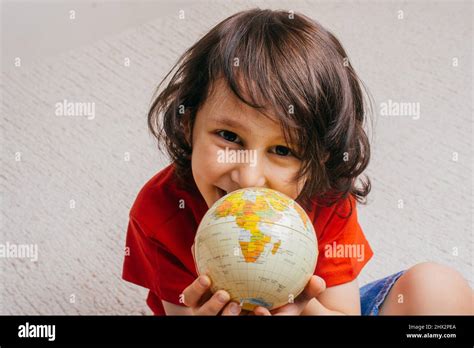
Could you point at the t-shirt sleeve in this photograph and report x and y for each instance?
(343, 248)
(148, 263)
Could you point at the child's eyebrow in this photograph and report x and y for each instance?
(229, 122)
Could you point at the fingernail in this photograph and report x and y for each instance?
(322, 283)
(222, 297)
(204, 281)
(234, 308)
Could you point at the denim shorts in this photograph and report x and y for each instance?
(373, 295)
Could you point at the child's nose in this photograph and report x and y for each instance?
(245, 175)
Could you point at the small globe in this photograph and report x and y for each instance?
(258, 245)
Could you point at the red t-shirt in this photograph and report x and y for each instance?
(164, 220)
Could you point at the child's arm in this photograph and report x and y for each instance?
(340, 299)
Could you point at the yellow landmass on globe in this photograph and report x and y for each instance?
(248, 215)
(302, 214)
(275, 247)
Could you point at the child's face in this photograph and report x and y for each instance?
(256, 156)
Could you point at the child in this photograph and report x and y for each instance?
(279, 85)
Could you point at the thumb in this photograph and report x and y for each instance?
(315, 287)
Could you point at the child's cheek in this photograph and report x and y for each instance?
(205, 160)
(281, 180)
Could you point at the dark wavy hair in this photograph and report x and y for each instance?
(288, 66)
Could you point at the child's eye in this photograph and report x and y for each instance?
(283, 151)
(229, 136)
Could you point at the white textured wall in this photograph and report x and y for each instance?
(64, 158)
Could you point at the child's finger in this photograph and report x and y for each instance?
(232, 308)
(193, 293)
(192, 251)
(289, 309)
(261, 311)
(215, 304)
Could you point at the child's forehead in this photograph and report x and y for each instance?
(245, 119)
(222, 99)
(224, 107)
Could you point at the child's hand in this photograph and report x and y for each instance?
(199, 298)
(314, 288)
